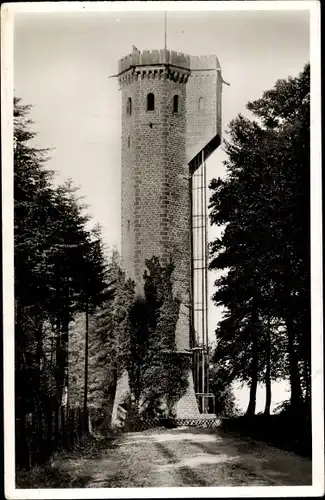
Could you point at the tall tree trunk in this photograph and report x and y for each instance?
(307, 381)
(305, 353)
(86, 370)
(252, 395)
(50, 403)
(254, 365)
(254, 379)
(39, 403)
(60, 377)
(65, 360)
(295, 385)
(58, 388)
(59, 359)
(67, 322)
(268, 395)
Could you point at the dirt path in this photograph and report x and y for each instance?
(190, 457)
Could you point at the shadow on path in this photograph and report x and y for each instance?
(180, 457)
(187, 475)
(258, 460)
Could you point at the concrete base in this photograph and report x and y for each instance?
(187, 406)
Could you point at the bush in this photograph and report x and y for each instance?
(168, 423)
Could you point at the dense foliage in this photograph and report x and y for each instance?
(134, 334)
(109, 335)
(59, 271)
(263, 204)
(222, 388)
(156, 372)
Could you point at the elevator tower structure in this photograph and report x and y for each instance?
(171, 123)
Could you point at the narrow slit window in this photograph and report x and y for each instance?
(129, 225)
(129, 141)
(129, 106)
(175, 103)
(201, 104)
(150, 102)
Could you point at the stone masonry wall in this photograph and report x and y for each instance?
(129, 141)
(155, 186)
(201, 111)
(203, 122)
(156, 160)
(156, 148)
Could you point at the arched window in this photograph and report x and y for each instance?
(201, 104)
(175, 103)
(129, 106)
(150, 102)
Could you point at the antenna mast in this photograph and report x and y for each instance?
(165, 31)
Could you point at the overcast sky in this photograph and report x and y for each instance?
(62, 64)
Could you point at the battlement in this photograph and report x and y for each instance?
(152, 57)
(204, 62)
(162, 56)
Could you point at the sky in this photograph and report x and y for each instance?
(62, 67)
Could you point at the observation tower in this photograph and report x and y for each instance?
(171, 123)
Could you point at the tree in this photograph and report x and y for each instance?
(262, 204)
(94, 292)
(239, 338)
(53, 250)
(221, 387)
(102, 347)
(286, 111)
(108, 343)
(33, 195)
(67, 248)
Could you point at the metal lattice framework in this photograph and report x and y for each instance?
(139, 424)
(199, 245)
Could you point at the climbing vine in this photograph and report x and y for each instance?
(157, 373)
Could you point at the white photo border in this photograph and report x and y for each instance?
(8, 12)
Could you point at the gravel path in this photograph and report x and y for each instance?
(191, 457)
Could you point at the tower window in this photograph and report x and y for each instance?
(129, 106)
(150, 102)
(129, 141)
(201, 104)
(129, 225)
(175, 103)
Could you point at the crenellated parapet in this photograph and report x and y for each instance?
(201, 63)
(162, 65)
(152, 58)
(167, 57)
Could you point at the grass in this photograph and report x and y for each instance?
(48, 476)
(53, 474)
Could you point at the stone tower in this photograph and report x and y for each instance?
(171, 113)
